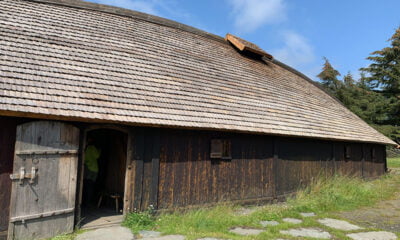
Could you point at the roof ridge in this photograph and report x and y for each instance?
(81, 4)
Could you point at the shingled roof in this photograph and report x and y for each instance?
(73, 60)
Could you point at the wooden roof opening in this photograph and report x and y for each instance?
(243, 45)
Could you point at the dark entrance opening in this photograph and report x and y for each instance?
(103, 178)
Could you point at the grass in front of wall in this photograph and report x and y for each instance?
(324, 196)
(70, 236)
(393, 162)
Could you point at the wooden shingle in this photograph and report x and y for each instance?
(74, 60)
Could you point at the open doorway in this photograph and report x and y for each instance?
(103, 178)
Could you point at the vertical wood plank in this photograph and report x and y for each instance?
(82, 145)
(275, 167)
(138, 162)
(129, 174)
(155, 171)
(55, 187)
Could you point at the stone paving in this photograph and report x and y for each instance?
(373, 236)
(292, 220)
(246, 231)
(122, 233)
(307, 214)
(118, 232)
(154, 235)
(211, 239)
(149, 234)
(269, 223)
(338, 224)
(307, 232)
(166, 237)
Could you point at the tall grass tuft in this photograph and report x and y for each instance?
(137, 221)
(341, 193)
(393, 162)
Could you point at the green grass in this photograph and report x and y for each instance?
(137, 221)
(393, 162)
(324, 196)
(70, 236)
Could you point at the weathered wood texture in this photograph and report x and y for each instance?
(172, 168)
(144, 169)
(301, 160)
(244, 45)
(351, 165)
(133, 69)
(262, 167)
(375, 160)
(189, 177)
(7, 142)
(54, 190)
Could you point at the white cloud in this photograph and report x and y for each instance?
(251, 14)
(149, 6)
(296, 50)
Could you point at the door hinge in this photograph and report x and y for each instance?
(22, 175)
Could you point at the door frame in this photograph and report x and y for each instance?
(84, 133)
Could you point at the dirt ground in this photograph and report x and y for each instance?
(384, 215)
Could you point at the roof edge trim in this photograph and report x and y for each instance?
(12, 113)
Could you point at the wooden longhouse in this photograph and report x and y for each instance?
(184, 118)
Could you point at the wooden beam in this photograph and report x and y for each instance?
(235, 42)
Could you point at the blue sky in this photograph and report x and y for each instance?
(299, 33)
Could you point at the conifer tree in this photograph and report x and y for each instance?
(348, 79)
(385, 69)
(384, 74)
(329, 76)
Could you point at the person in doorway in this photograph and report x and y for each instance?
(91, 171)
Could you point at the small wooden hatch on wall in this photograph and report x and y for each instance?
(347, 152)
(245, 46)
(221, 149)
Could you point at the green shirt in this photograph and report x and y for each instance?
(91, 156)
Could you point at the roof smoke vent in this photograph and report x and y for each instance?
(243, 46)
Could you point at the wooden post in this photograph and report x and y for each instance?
(82, 145)
(129, 174)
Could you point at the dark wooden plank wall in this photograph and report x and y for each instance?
(374, 166)
(171, 168)
(351, 166)
(143, 168)
(189, 177)
(301, 160)
(7, 142)
(262, 167)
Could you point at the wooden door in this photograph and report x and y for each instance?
(44, 180)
